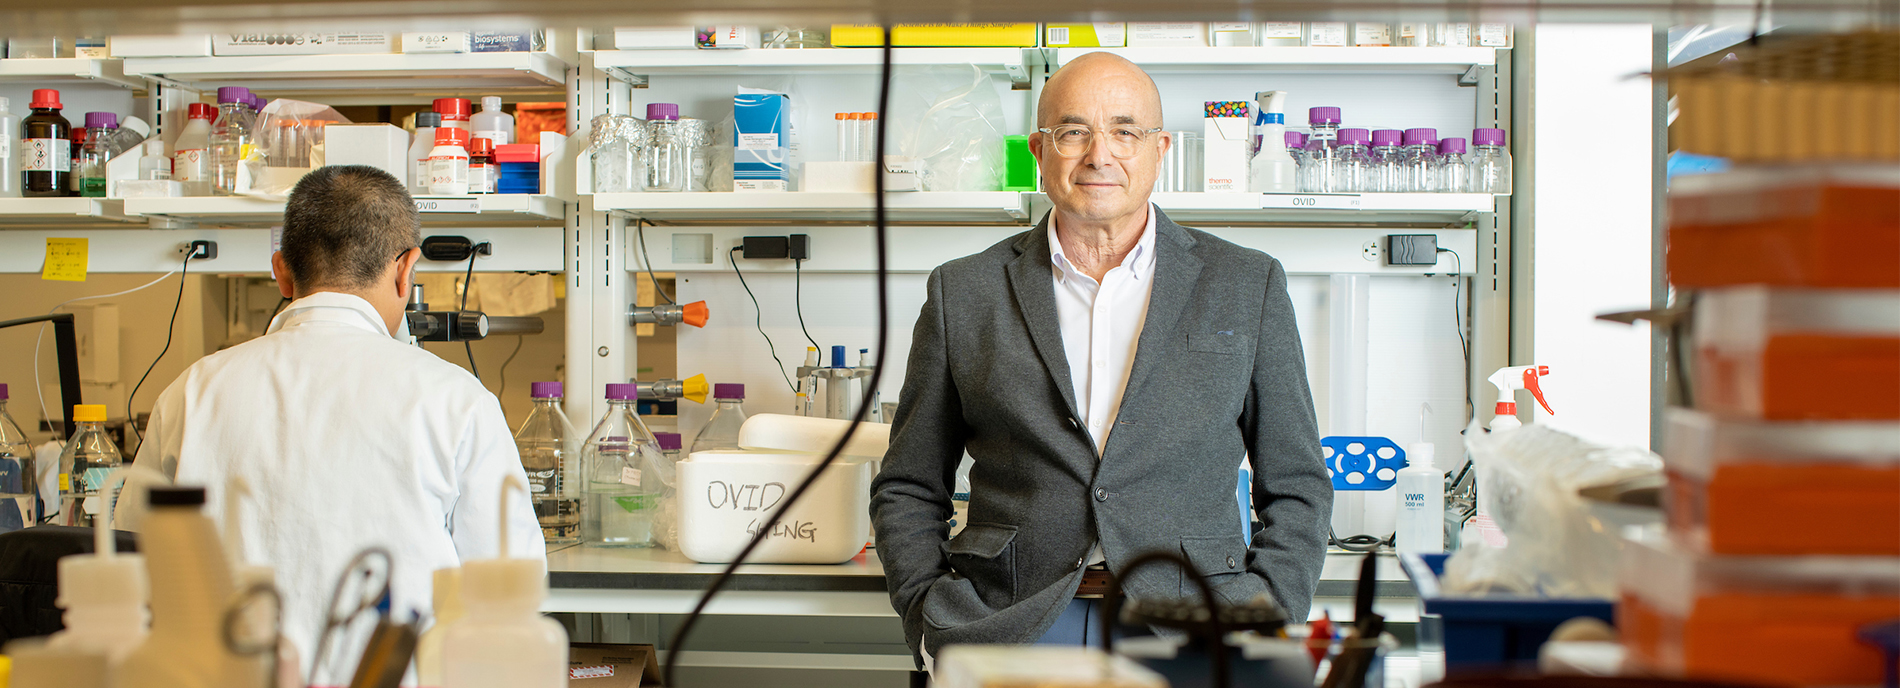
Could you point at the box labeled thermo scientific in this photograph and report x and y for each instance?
(759, 142)
(1103, 35)
(1228, 141)
(936, 35)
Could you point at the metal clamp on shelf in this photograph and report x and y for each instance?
(693, 388)
(695, 314)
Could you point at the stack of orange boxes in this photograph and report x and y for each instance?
(1784, 480)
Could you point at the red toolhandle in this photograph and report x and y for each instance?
(1530, 383)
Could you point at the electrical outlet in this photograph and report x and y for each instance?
(1370, 250)
(200, 249)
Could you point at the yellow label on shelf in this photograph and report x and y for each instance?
(937, 35)
(65, 260)
(65, 482)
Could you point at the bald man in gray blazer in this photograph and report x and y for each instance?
(1107, 371)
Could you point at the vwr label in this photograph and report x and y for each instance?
(1324, 201)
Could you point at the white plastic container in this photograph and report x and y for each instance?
(448, 163)
(191, 581)
(448, 611)
(1421, 492)
(492, 123)
(9, 152)
(103, 593)
(728, 495)
(504, 641)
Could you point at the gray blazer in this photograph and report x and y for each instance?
(1218, 374)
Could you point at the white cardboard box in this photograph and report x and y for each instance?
(382, 146)
(435, 42)
(1167, 34)
(188, 45)
(1226, 141)
(332, 43)
(654, 38)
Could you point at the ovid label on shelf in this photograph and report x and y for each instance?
(1302, 201)
(448, 205)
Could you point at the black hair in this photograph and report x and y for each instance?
(345, 224)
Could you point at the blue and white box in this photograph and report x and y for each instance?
(761, 142)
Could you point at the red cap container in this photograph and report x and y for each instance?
(45, 98)
(481, 147)
(201, 111)
(453, 109)
(446, 136)
(518, 152)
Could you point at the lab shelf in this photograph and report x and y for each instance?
(328, 77)
(55, 71)
(1430, 209)
(479, 208)
(61, 211)
(1294, 59)
(939, 207)
(1016, 62)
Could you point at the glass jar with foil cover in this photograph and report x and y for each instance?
(616, 143)
(697, 136)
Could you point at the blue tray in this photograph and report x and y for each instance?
(1494, 631)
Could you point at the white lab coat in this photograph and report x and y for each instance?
(349, 439)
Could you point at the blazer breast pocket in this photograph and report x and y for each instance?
(1233, 344)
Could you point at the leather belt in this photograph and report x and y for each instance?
(1094, 583)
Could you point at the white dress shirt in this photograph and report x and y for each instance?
(1101, 328)
(348, 439)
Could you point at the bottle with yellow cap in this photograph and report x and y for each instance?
(83, 467)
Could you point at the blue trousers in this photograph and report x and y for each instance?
(1081, 624)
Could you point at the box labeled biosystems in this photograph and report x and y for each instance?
(760, 142)
(1227, 141)
(1103, 35)
(503, 41)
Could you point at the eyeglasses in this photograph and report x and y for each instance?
(1072, 140)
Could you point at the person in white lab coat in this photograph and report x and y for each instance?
(348, 437)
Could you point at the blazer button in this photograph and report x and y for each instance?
(1230, 562)
(1101, 494)
(1081, 561)
(1074, 424)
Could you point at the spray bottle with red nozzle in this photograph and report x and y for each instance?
(1508, 381)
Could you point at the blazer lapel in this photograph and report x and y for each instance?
(1177, 271)
(1032, 281)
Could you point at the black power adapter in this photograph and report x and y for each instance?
(794, 247)
(1411, 249)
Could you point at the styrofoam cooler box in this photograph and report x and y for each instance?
(780, 432)
(726, 496)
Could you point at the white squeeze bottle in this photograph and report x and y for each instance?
(191, 584)
(1273, 168)
(493, 124)
(448, 611)
(103, 593)
(1421, 489)
(504, 641)
(9, 151)
(191, 154)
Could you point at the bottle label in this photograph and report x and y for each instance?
(499, 137)
(1327, 34)
(46, 155)
(481, 178)
(6, 146)
(448, 174)
(189, 165)
(1280, 30)
(629, 476)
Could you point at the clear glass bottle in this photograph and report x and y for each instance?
(89, 169)
(722, 429)
(154, 164)
(1420, 158)
(547, 456)
(1322, 149)
(1296, 147)
(1388, 168)
(1354, 167)
(19, 482)
(83, 466)
(230, 138)
(796, 37)
(696, 136)
(624, 481)
(1490, 162)
(1454, 171)
(666, 155)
